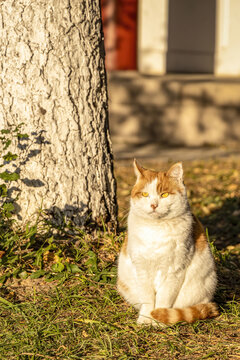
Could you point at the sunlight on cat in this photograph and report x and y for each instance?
(165, 267)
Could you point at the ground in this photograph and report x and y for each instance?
(62, 303)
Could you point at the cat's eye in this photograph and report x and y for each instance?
(164, 195)
(145, 194)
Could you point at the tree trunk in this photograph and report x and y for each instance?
(53, 80)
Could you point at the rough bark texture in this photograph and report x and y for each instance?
(53, 79)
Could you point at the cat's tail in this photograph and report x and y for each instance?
(189, 314)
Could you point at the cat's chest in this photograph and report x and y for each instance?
(153, 236)
(165, 243)
(156, 243)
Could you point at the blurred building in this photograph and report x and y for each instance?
(181, 84)
(172, 36)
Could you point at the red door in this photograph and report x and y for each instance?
(120, 33)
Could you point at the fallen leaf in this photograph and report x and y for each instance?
(232, 187)
(205, 210)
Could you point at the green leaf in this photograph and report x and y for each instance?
(38, 257)
(58, 276)
(59, 267)
(74, 268)
(23, 275)
(8, 207)
(4, 131)
(30, 231)
(8, 176)
(7, 144)
(10, 156)
(12, 259)
(3, 190)
(37, 274)
(18, 127)
(92, 261)
(22, 136)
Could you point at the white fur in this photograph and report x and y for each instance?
(161, 268)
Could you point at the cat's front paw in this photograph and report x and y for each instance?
(148, 320)
(142, 319)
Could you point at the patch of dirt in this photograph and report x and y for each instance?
(26, 289)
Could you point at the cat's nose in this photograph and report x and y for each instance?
(154, 206)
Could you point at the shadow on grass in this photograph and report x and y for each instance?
(224, 229)
(224, 225)
(228, 288)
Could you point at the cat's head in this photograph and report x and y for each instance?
(159, 195)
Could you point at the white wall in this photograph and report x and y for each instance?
(227, 58)
(152, 36)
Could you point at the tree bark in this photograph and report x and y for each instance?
(53, 80)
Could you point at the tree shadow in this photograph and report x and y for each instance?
(72, 219)
(28, 148)
(223, 224)
(228, 288)
(173, 111)
(68, 217)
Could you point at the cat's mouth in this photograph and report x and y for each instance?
(155, 213)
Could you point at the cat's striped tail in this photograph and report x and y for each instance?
(189, 314)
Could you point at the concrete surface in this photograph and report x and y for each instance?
(154, 152)
(152, 115)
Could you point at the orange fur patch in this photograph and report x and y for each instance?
(189, 314)
(165, 183)
(199, 236)
(161, 315)
(195, 313)
(180, 314)
(212, 310)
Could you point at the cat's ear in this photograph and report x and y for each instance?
(176, 171)
(137, 169)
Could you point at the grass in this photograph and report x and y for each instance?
(73, 311)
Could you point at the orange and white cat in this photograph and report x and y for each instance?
(165, 268)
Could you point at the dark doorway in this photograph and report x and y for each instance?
(191, 36)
